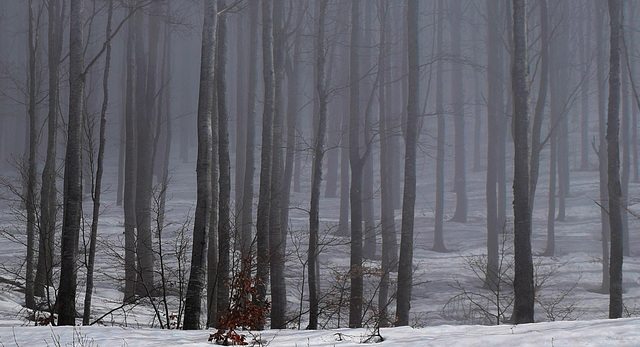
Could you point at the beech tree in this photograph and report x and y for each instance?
(405, 266)
(73, 169)
(203, 170)
(523, 282)
(613, 161)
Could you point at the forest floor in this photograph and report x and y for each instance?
(447, 286)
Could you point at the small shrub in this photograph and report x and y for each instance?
(242, 313)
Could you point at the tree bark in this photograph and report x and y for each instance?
(130, 169)
(203, 171)
(457, 90)
(405, 267)
(97, 188)
(613, 161)
(224, 207)
(438, 232)
(30, 178)
(73, 170)
(523, 282)
(264, 198)
(495, 103)
(48, 192)
(316, 175)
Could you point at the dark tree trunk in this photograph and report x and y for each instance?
(457, 90)
(224, 201)
(264, 198)
(387, 217)
(356, 164)
(145, 87)
(73, 170)
(613, 162)
(30, 179)
(247, 199)
(438, 232)
(242, 64)
(277, 231)
(49, 192)
(130, 170)
(316, 175)
(523, 282)
(97, 187)
(203, 171)
(494, 108)
(405, 267)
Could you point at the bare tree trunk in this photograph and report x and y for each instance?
(264, 198)
(538, 117)
(613, 162)
(457, 90)
(602, 144)
(203, 171)
(438, 232)
(405, 267)
(73, 170)
(277, 231)
(247, 199)
(96, 194)
(356, 164)
(316, 176)
(48, 192)
(145, 89)
(387, 217)
(626, 157)
(30, 179)
(494, 108)
(523, 282)
(241, 119)
(224, 207)
(585, 63)
(130, 170)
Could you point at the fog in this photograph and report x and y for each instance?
(357, 163)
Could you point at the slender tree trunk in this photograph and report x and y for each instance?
(438, 232)
(494, 108)
(264, 198)
(277, 231)
(247, 199)
(96, 194)
(626, 156)
(316, 176)
(48, 192)
(523, 282)
(387, 217)
(30, 182)
(241, 123)
(602, 144)
(130, 170)
(457, 90)
(203, 171)
(144, 164)
(585, 63)
(356, 164)
(613, 162)
(224, 207)
(73, 170)
(405, 267)
(536, 146)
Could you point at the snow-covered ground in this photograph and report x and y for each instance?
(573, 276)
(622, 332)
